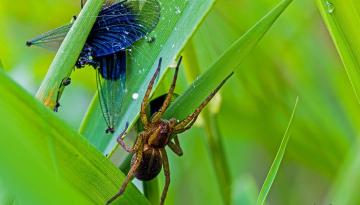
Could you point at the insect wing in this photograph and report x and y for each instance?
(111, 86)
(51, 39)
(122, 24)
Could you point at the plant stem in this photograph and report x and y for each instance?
(214, 138)
(68, 53)
(151, 191)
(218, 156)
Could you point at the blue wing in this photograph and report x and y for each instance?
(121, 25)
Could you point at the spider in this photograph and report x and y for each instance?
(149, 149)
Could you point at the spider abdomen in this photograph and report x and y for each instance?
(150, 165)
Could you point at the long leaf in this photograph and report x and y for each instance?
(342, 18)
(44, 161)
(277, 161)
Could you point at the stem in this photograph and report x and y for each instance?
(68, 53)
(218, 156)
(151, 191)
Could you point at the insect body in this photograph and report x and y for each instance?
(149, 149)
(118, 26)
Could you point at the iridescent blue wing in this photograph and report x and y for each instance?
(111, 86)
(122, 24)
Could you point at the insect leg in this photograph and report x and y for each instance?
(65, 82)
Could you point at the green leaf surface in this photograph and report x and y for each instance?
(175, 27)
(44, 161)
(68, 53)
(277, 161)
(342, 18)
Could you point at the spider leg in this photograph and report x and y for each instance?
(167, 100)
(167, 175)
(190, 119)
(121, 141)
(188, 126)
(175, 147)
(139, 152)
(145, 101)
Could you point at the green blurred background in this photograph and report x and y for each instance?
(296, 58)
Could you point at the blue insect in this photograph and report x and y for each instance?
(118, 26)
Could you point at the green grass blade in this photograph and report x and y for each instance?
(179, 19)
(342, 19)
(227, 63)
(44, 161)
(277, 161)
(68, 53)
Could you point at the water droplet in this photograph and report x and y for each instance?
(330, 7)
(150, 39)
(177, 10)
(135, 96)
(173, 45)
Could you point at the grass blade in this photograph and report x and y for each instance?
(47, 162)
(342, 20)
(68, 53)
(277, 161)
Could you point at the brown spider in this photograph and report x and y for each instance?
(149, 149)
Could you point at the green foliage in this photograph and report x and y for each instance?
(44, 161)
(342, 21)
(296, 58)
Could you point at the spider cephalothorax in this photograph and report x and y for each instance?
(149, 149)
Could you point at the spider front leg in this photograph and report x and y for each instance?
(138, 147)
(165, 162)
(175, 147)
(145, 101)
(169, 95)
(121, 141)
(190, 120)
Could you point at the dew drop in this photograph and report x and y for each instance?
(177, 10)
(330, 7)
(150, 39)
(135, 96)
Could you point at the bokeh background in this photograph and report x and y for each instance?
(295, 58)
